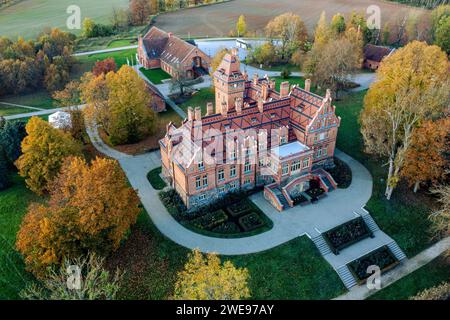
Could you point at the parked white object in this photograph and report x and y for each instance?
(60, 120)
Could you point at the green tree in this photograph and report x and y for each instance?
(442, 34)
(241, 26)
(205, 278)
(129, 105)
(11, 135)
(43, 152)
(337, 25)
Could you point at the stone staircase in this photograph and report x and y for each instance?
(346, 276)
(281, 197)
(370, 222)
(321, 244)
(327, 183)
(396, 251)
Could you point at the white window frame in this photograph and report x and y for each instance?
(233, 171)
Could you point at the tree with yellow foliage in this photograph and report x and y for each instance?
(43, 152)
(411, 86)
(426, 159)
(205, 278)
(241, 26)
(217, 59)
(91, 208)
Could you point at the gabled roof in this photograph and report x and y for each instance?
(167, 47)
(376, 53)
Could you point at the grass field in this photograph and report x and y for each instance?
(29, 17)
(155, 75)
(13, 205)
(199, 99)
(430, 275)
(218, 20)
(8, 110)
(120, 57)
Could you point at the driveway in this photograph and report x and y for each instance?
(336, 208)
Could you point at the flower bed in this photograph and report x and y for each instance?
(346, 234)
(382, 257)
(239, 208)
(299, 199)
(316, 193)
(251, 221)
(227, 228)
(341, 173)
(210, 220)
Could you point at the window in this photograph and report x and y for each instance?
(319, 153)
(201, 165)
(202, 197)
(233, 171)
(220, 175)
(233, 184)
(261, 162)
(283, 140)
(247, 167)
(324, 152)
(205, 181)
(285, 169)
(306, 163)
(198, 183)
(247, 181)
(221, 189)
(295, 166)
(323, 136)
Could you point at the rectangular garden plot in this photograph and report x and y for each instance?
(382, 257)
(239, 208)
(347, 234)
(251, 221)
(210, 220)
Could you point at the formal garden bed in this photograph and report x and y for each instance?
(300, 199)
(316, 194)
(341, 173)
(154, 177)
(347, 234)
(234, 216)
(382, 257)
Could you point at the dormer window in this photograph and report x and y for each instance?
(201, 165)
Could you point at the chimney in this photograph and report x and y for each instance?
(308, 85)
(245, 75)
(264, 91)
(190, 114)
(255, 78)
(284, 89)
(198, 114)
(168, 126)
(170, 34)
(260, 105)
(209, 109)
(328, 95)
(238, 104)
(272, 84)
(224, 108)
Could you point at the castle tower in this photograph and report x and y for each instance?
(229, 83)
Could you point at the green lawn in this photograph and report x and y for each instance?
(13, 205)
(28, 18)
(38, 99)
(155, 179)
(199, 99)
(6, 110)
(155, 75)
(122, 43)
(430, 275)
(403, 218)
(119, 56)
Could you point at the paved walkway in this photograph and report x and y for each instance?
(295, 222)
(87, 53)
(362, 292)
(20, 106)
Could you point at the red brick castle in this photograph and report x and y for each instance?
(282, 140)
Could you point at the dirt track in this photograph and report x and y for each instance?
(217, 20)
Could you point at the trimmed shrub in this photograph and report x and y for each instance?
(210, 220)
(346, 234)
(239, 208)
(251, 221)
(155, 179)
(227, 228)
(341, 173)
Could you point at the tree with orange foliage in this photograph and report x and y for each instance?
(426, 159)
(104, 66)
(91, 208)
